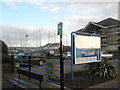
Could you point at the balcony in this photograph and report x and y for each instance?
(103, 36)
(118, 41)
(104, 44)
(117, 32)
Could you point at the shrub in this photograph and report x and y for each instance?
(6, 59)
(93, 67)
(54, 78)
(50, 65)
(50, 71)
(103, 69)
(113, 51)
(4, 48)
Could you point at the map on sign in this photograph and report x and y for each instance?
(86, 48)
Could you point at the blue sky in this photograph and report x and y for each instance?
(28, 15)
(18, 18)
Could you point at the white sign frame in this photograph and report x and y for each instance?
(86, 48)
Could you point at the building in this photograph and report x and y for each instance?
(51, 47)
(109, 29)
(13, 50)
(54, 47)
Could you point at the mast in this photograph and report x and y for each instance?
(36, 37)
(40, 42)
(66, 40)
(21, 38)
(33, 38)
(40, 37)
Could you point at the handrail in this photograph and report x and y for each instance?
(41, 66)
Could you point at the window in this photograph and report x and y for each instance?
(118, 29)
(118, 39)
(110, 38)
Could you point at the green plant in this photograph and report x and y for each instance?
(93, 67)
(54, 78)
(50, 65)
(6, 58)
(51, 71)
(103, 69)
(113, 51)
(4, 47)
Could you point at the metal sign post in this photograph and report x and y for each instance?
(61, 59)
(12, 63)
(29, 57)
(72, 56)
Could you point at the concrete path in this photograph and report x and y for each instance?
(113, 84)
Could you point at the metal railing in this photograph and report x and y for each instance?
(41, 72)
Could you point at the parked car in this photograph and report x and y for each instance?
(35, 58)
(21, 55)
(107, 55)
(67, 55)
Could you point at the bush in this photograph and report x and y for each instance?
(103, 69)
(50, 65)
(4, 48)
(4, 54)
(6, 59)
(57, 79)
(50, 71)
(93, 67)
(113, 51)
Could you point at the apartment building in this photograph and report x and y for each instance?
(109, 29)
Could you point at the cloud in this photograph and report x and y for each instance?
(82, 13)
(35, 2)
(15, 34)
(78, 16)
(40, 3)
(60, 0)
(96, 8)
(55, 18)
(53, 8)
(13, 5)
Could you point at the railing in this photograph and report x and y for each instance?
(117, 32)
(42, 72)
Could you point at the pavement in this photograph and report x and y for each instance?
(44, 84)
(113, 84)
(110, 84)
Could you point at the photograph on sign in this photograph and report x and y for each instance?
(87, 49)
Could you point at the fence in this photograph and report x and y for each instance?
(41, 72)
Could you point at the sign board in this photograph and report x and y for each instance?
(60, 25)
(86, 48)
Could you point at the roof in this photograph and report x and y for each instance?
(109, 22)
(92, 25)
(52, 44)
(80, 30)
